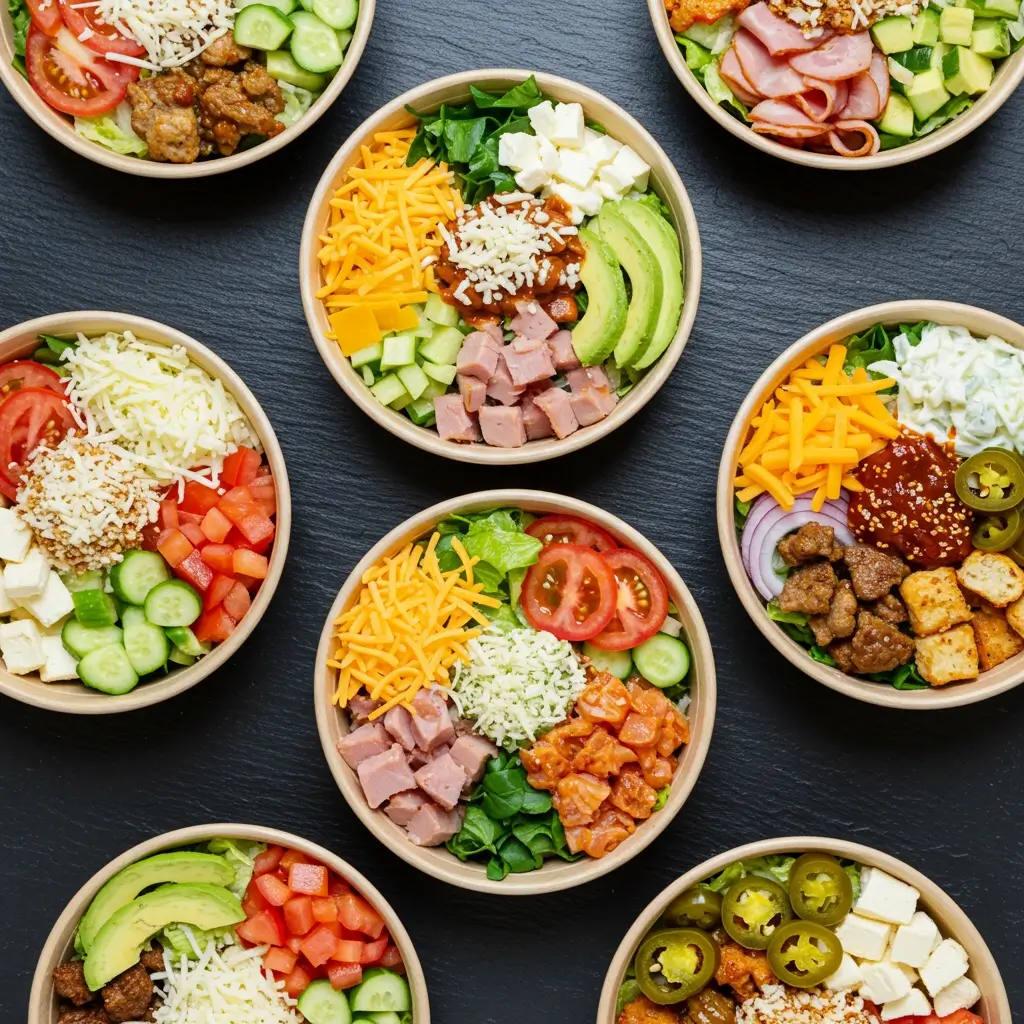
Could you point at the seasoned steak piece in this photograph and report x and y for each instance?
(810, 543)
(841, 619)
(842, 652)
(889, 609)
(809, 589)
(153, 959)
(128, 996)
(874, 573)
(877, 646)
(83, 1015)
(69, 983)
(162, 114)
(224, 52)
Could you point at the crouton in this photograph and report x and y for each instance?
(1015, 615)
(991, 575)
(934, 601)
(949, 656)
(995, 639)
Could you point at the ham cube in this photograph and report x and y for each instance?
(385, 774)
(478, 356)
(535, 421)
(431, 723)
(533, 322)
(501, 387)
(402, 807)
(473, 753)
(587, 376)
(443, 779)
(563, 355)
(592, 398)
(364, 742)
(502, 426)
(360, 707)
(473, 391)
(453, 422)
(528, 361)
(418, 758)
(398, 723)
(555, 404)
(432, 826)
(495, 331)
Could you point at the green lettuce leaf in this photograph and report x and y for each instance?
(715, 37)
(697, 56)
(740, 513)
(950, 109)
(654, 201)
(663, 795)
(794, 624)
(872, 346)
(775, 866)
(628, 991)
(296, 102)
(20, 21)
(501, 542)
(177, 941)
(519, 98)
(720, 92)
(113, 131)
(241, 855)
(853, 870)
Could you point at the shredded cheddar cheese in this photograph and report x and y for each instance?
(813, 431)
(409, 626)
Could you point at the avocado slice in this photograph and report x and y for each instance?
(600, 328)
(637, 259)
(119, 943)
(659, 235)
(182, 866)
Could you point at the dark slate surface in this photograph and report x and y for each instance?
(784, 250)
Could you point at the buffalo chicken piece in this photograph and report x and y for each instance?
(83, 1015)
(642, 1011)
(683, 13)
(608, 830)
(745, 971)
(244, 105)
(224, 52)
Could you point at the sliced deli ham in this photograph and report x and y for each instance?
(786, 114)
(842, 56)
(822, 99)
(845, 132)
(863, 103)
(769, 76)
(778, 35)
(879, 71)
(733, 76)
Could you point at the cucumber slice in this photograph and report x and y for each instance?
(136, 575)
(82, 640)
(389, 389)
(132, 615)
(370, 354)
(399, 350)
(344, 38)
(261, 27)
(663, 660)
(442, 374)
(421, 412)
(440, 312)
(337, 13)
(414, 380)
(281, 65)
(185, 640)
(147, 647)
(367, 375)
(94, 608)
(179, 657)
(173, 603)
(91, 580)
(284, 6)
(321, 1004)
(443, 347)
(315, 45)
(617, 663)
(108, 669)
(384, 1017)
(383, 990)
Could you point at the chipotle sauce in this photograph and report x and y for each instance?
(909, 502)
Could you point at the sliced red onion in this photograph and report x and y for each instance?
(765, 504)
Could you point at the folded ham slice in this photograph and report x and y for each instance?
(843, 132)
(863, 103)
(879, 71)
(778, 35)
(842, 56)
(769, 76)
(786, 114)
(822, 99)
(733, 76)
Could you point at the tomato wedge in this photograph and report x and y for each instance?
(641, 602)
(27, 417)
(571, 530)
(97, 34)
(70, 77)
(25, 373)
(45, 15)
(570, 591)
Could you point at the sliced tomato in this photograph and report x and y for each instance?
(99, 35)
(215, 526)
(241, 466)
(46, 15)
(219, 558)
(70, 77)
(247, 514)
(198, 499)
(571, 530)
(570, 591)
(237, 603)
(174, 546)
(641, 604)
(290, 857)
(254, 900)
(26, 373)
(28, 416)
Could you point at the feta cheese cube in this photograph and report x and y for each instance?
(849, 975)
(600, 148)
(568, 125)
(532, 178)
(518, 150)
(15, 536)
(885, 980)
(631, 166)
(547, 153)
(27, 578)
(863, 938)
(615, 179)
(7, 604)
(886, 898)
(58, 663)
(913, 1004)
(21, 647)
(574, 167)
(947, 963)
(605, 191)
(961, 995)
(52, 604)
(542, 118)
(908, 972)
(571, 196)
(914, 941)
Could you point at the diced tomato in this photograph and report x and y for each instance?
(337, 886)
(319, 945)
(174, 546)
(249, 582)
(214, 626)
(189, 517)
(349, 951)
(254, 900)
(271, 856)
(195, 534)
(240, 467)
(298, 915)
(198, 498)
(291, 857)
(237, 540)
(294, 943)
(264, 490)
(325, 909)
(358, 916)
(342, 976)
(247, 514)
(168, 514)
(280, 959)
(266, 928)
(373, 951)
(956, 1017)
(237, 602)
(195, 571)
(392, 960)
(150, 535)
(219, 558)
(274, 891)
(308, 878)
(248, 563)
(297, 982)
(219, 589)
(216, 526)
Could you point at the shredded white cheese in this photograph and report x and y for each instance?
(779, 1005)
(519, 683)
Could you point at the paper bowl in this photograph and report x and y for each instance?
(455, 89)
(74, 697)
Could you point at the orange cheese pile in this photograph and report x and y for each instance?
(383, 237)
(409, 626)
(813, 431)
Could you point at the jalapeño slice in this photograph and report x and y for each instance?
(998, 530)
(819, 889)
(675, 963)
(695, 908)
(803, 954)
(753, 908)
(991, 481)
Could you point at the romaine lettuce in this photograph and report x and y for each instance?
(296, 102)
(720, 92)
(113, 131)
(240, 854)
(775, 866)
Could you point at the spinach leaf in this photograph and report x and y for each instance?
(497, 869)
(463, 137)
(517, 855)
(740, 513)
(905, 677)
(582, 301)
(503, 793)
(536, 801)
(519, 98)
(820, 654)
(477, 834)
(20, 21)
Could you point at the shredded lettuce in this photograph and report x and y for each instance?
(240, 854)
(715, 37)
(950, 109)
(296, 102)
(499, 541)
(113, 131)
(775, 866)
(720, 92)
(794, 624)
(175, 938)
(697, 56)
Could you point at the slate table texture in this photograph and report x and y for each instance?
(785, 248)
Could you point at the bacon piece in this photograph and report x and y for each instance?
(864, 103)
(732, 75)
(779, 35)
(871, 139)
(842, 56)
(768, 76)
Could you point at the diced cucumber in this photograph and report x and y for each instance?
(893, 35)
(89, 580)
(433, 389)
(136, 575)
(927, 93)
(281, 65)
(414, 379)
(370, 354)
(663, 660)
(990, 37)
(402, 402)
(966, 72)
(108, 669)
(339, 14)
(186, 641)
(926, 28)
(443, 347)
(315, 45)
(617, 663)
(955, 24)
(916, 59)
(261, 27)
(382, 990)
(284, 6)
(132, 615)
(939, 51)
(179, 657)
(367, 375)
(399, 350)
(94, 608)
(344, 38)
(421, 412)
(424, 329)
(81, 640)
(442, 374)
(993, 8)
(898, 118)
(173, 603)
(440, 312)
(389, 389)
(146, 646)
(320, 1003)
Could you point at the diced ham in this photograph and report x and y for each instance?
(778, 35)
(473, 391)
(842, 56)
(473, 753)
(879, 71)
(431, 722)
(402, 807)
(844, 128)
(864, 102)
(592, 404)
(586, 377)
(431, 826)
(478, 356)
(822, 99)
(528, 361)
(502, 426)
(385, 774)
(398, 723)
(563, 355)
(418, 758)
(555, 404)
(501, 387)
(453, 422)
(731, 71)
(768, 76)
(535, 421)
(495, 332)
(360, 707)
(364, 742)
(443, 779)
(533, 322)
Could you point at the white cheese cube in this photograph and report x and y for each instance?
(590, 202)
(568, 125)
(913, 1004)
(570, 195)
(885, 898)
(615, 179)
(908, 972)
(21, 647)
(27, 578)
(947, 963)
(606, 192)
(886, 981)
(600, 148)
(518, 150)
(52, 604)
(547, 153)
(58, 663)
(631, 166)
(15, 536)
(532, 178)
(849, 975)
(7, 604)
(863, 938)
(915, 941)
(865, 993)
(574, 167)
(961, 995)
(542, 118)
